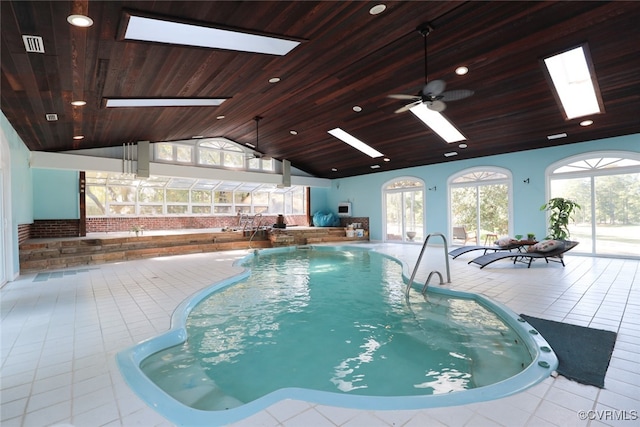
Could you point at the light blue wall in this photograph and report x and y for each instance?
(318, 201)
(20, 188)
(55, 194)
(365, 192)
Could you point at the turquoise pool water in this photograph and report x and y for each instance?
(334, 326)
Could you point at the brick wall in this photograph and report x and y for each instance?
(48, 228)
(105, 225)
(24, 232)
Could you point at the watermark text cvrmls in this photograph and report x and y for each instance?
(609, 415)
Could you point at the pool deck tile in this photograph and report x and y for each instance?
(60, 334)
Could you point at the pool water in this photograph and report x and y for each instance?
(334, 321)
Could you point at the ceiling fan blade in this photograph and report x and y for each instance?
(455, 95)
(408, 107)
(402, 96)
(434, 87)
(437, 105)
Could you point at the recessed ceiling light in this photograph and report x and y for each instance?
(450, 154)
(377, 9)
(197, 137)
(355, 142)
(78, 137)
(438, 123)
(386, 159)
(375, 166)
(357, 108)
(274, 79)
(162, 30)
(463, 145)
(557, 136)
(334, 170)
(78, 103)
(586, 123)
(163, 102)
(220, 117)
(250, 145)
(573, 78)
(80, 20)
(293, 132)
(461, 71)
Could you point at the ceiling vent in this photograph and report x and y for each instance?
(33, 44)
(52, 117)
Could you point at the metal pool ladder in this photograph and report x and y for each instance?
(415, 269)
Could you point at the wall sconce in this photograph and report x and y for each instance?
(432, 188)
(526, 181)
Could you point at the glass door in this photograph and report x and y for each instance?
(404, 211)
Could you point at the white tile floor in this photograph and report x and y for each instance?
(60, 334)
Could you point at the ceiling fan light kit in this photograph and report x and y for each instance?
(433, 97)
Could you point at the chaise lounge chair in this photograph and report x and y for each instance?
(464, 249)
(555, 255)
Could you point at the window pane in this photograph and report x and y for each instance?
(267, 165)
(260, 209)
(122, 209)
(210, 157)
(201, 209)
(121, 194)
(253, 163)
(177, 209)
(222, 209)
(150, 194)
(261, 198)
(184, 154)
(164, 152)
(174, 195)
(96, 200)
(242, 197)
(276, 203)
(222, 197)
(151, 210)
(234, 160)
(200, 196)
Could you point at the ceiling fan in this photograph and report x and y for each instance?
(256, 154)
(433, 93)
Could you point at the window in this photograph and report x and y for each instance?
(479, 200)
(404, 210)
(607, 187)
(120, 194)
(212, 152)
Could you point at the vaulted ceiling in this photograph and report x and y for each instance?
(348, 57)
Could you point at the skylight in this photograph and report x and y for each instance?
(438, 123)
(574, 82)
(163, 102)
(355, 142)
(165, 31)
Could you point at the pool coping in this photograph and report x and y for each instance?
(129, 360)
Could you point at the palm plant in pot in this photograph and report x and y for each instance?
(561, 211)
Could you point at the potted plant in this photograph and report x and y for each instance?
(561, 213)
(137, 229)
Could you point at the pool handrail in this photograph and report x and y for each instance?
(415, 269)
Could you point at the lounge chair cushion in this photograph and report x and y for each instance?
(505, 241)
(546, 246)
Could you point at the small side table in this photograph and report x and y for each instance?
(493, 237)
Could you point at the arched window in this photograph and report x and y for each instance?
(606, 185)
(480, 201)
(404, 210)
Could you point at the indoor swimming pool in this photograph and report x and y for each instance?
(331, 325)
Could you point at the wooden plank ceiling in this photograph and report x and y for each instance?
(349, 57)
